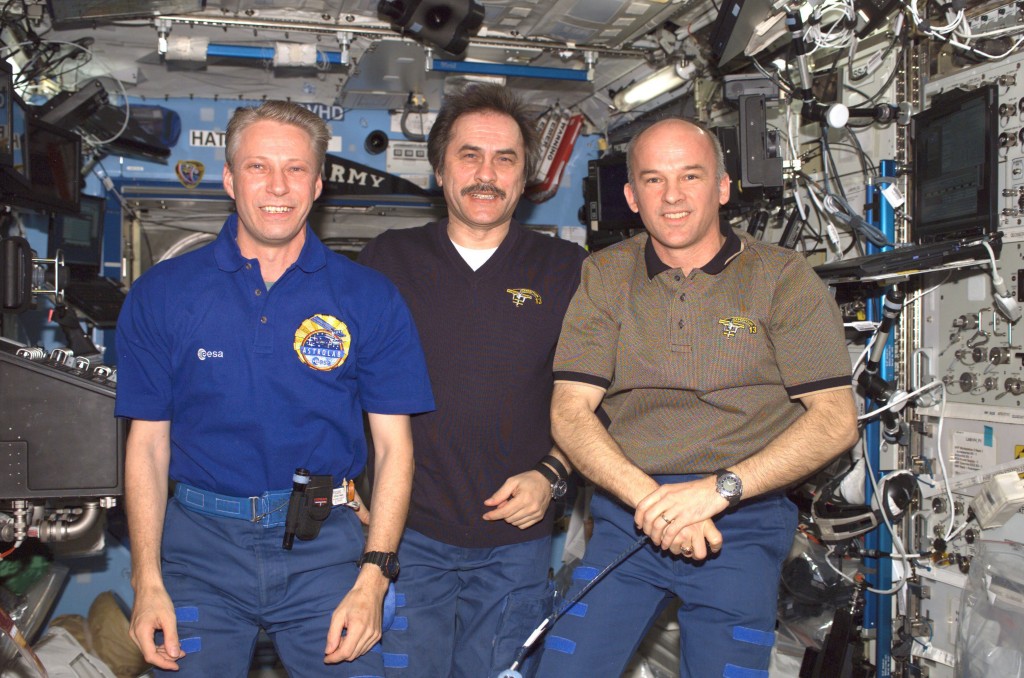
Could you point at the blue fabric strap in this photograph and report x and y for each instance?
(755, 636)
(186, 614)
(269, 509)
(559, 644)
(733, 671)
(191, 645)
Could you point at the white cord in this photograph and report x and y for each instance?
(902, 398)
(110, 74)
(997, 279)
(837, 34)
(1001, 297)
(883, 509)
(942, 460)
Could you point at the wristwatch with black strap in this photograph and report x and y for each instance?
(556, 473)
(386, 561)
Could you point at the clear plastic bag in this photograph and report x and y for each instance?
(990, 638)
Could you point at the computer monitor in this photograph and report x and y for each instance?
(735, 25)
(80, 236)
(6, 121)
(956, 161)
(605, 207)
(13, 122)
(55, 166)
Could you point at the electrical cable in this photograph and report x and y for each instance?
(901, 399)
(829, 161)
(110, 74)
(940, 33)
(896, 541)
(868, 166)
(876, 59)
(947, 481)
(550, 620)
(1001, 297)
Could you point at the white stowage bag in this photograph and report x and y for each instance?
(990, 639)
(63, 657)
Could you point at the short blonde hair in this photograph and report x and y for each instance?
(284, 112)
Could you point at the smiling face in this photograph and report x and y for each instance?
(274, 179)
(483, 174)
(677, 193)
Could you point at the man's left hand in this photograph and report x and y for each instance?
(359, 615)
(521, 500)
(677, 517)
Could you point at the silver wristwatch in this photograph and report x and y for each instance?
(729, 486)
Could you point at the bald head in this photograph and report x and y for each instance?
(684, 127)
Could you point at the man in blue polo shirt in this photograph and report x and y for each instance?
(237, 364)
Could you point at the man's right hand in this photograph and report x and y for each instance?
(153, 611)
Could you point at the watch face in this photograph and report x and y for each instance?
(387, 562)
(729, 485)
(558, 489)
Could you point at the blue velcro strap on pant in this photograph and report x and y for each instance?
(389, 607)
(577, 610)
(560, 644)
(186, 614)
(190, 645)
(270, 508)
(748, 635)
(396, 661)
(399, 599)
(584, 573)
(400, 624)
(733, 671)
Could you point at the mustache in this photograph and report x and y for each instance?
(484, 188)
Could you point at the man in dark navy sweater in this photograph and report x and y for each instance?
(488, 297)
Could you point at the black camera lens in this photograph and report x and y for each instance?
(376, 142)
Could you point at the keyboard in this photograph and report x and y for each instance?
(98, 299)
(905, 259)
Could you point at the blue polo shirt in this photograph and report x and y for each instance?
(257, 382)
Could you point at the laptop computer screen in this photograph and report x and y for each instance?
(55, 166)
(80, 236)
(956, 166)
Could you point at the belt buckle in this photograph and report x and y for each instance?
(254, 506)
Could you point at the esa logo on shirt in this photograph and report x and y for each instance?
(204, 353)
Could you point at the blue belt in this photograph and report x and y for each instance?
(268, 509)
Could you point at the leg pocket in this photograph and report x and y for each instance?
(522, 614)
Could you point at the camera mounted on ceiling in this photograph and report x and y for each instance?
(445, 24)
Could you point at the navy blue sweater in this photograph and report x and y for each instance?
(489, 337)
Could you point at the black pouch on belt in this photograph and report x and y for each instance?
(316, 506)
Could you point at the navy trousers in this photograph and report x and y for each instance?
(464, 612)
(229, 577)
(728, 602)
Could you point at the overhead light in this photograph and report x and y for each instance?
(659, 82)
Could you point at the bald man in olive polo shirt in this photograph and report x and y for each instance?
(698, 374)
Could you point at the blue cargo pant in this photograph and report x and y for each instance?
(228, 578)
(464, 612)
(728, 603)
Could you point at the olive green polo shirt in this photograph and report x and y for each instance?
(701, 371)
